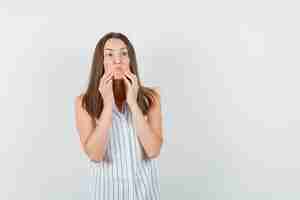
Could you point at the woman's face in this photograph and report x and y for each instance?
(116, 58)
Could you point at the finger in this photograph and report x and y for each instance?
(107, 74)
(106, 88)
(109, 77)
(126, 81)
(105, 78)
(127, 76)
(130, 73)
(132, 76)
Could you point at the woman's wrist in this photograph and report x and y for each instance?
(105, 114)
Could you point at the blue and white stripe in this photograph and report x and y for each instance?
(123, 174)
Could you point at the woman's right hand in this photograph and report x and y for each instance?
(105, 88)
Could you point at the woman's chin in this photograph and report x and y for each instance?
(118, 77)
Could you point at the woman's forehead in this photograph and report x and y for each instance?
(114, 44)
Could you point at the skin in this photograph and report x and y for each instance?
(116, 61)
(94, 138)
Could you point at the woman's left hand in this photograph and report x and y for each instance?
(131, 88)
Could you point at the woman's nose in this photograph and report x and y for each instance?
(117, 59)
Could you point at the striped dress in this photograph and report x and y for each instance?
(123, 174)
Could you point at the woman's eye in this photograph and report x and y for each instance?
(124, 53)
(108, 54)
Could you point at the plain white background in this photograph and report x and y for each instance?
(228, 72)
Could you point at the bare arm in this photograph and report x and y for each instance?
(93, 138)
(149, 128)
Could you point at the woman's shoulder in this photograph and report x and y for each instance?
(79, 97)
(156, 97)
(155, 88)
(157, 92)
(78, 100)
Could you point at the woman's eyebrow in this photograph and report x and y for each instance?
(115, 49)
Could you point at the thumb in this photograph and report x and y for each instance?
(126, 81)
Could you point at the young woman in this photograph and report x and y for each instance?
(119, 122)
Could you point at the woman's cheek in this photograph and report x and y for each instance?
(127, 69)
